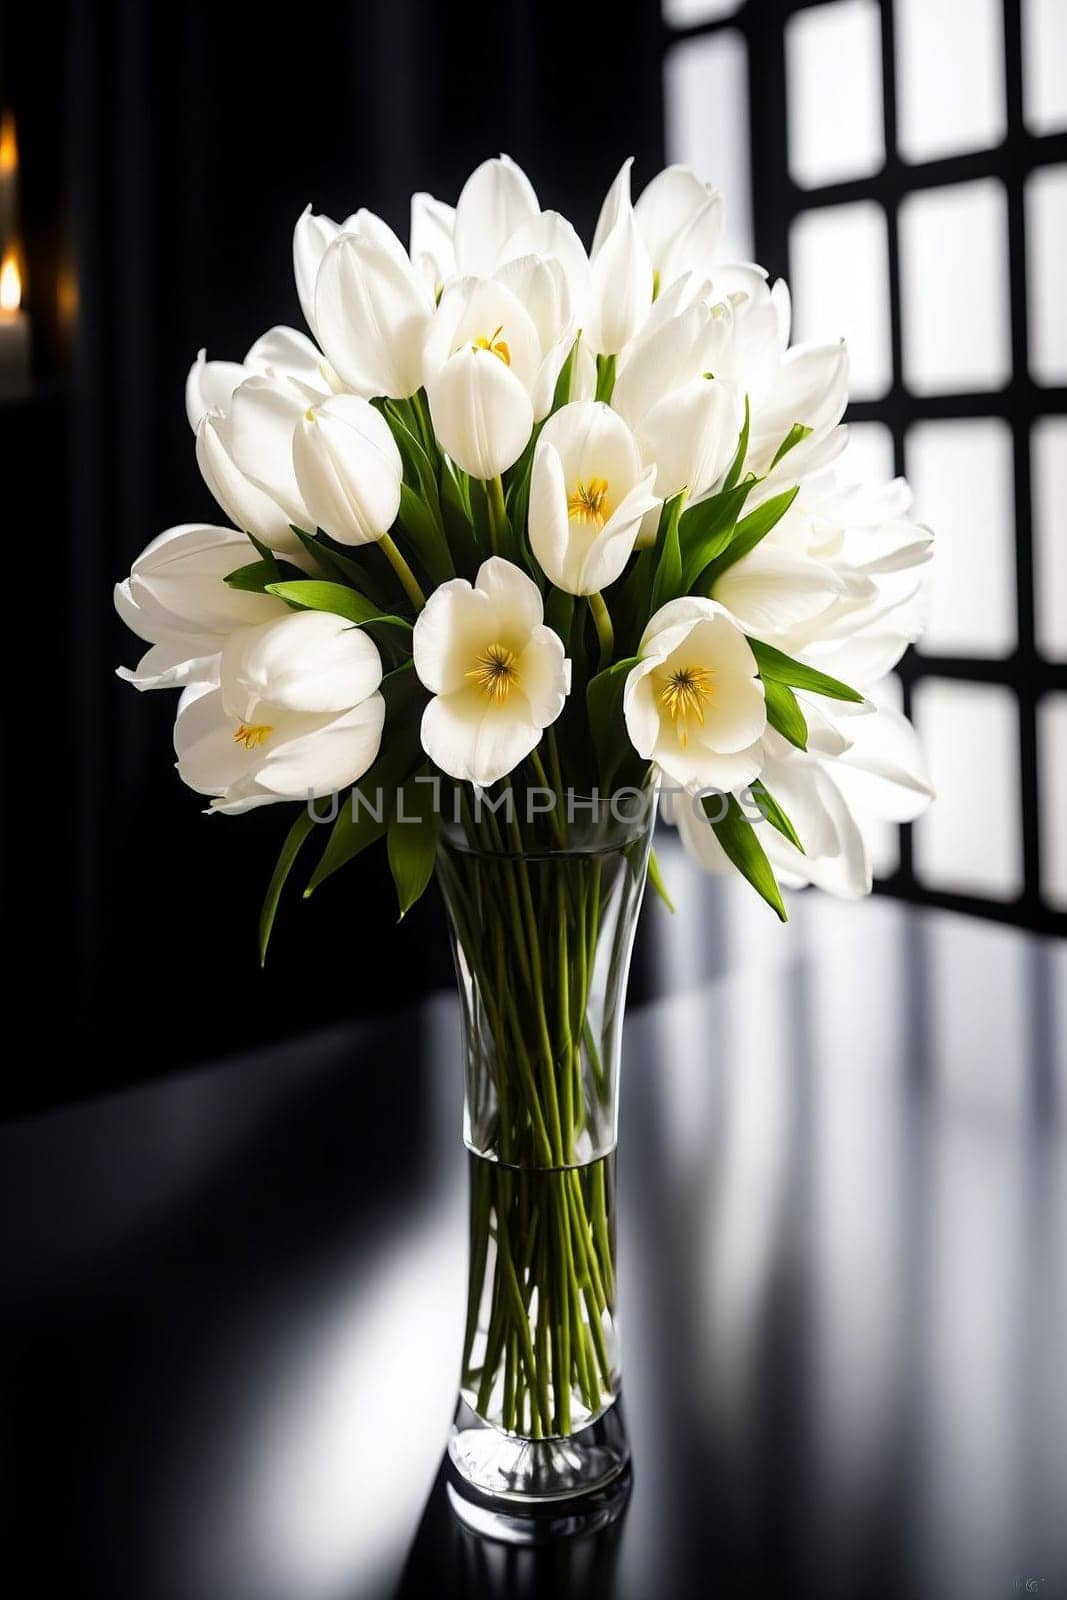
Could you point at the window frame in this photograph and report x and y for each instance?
(777, 200)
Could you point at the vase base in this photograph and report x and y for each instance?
(524, 1491)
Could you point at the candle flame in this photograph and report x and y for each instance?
(9, 148)
(10, 283)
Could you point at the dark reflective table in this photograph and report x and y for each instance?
(232, 1301)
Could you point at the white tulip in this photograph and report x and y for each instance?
(264, 415)
(498, 675)
(495, 201)
(669, 353)
(694, 703)
(372, 309)
(620, 272)
(588, 495)
(247, 505)
(549, 237)
(811, 387)
(832, 793)
(680, 220)
(482, 360)
(312, 237)
(691, 437)
(296, 714)
(432, 247)
(176, 599)
(540, 285)
(348, 469)
(280, 352)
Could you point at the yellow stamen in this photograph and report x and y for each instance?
(684, 695)
(586, 504)
(495, 345)
(495, 672)
(252, 735)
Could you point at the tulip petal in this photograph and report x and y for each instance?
(311, 238)
(681, 222)
(371, 315)
(263, 417)
(544, 675)
(482, 415)
(769, 592)
(431, 237)
(209, 386)
(475, 741)
(307, 661)
(496, 199)
(331, 755)
(244, 502)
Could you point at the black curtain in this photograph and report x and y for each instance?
(167, 151)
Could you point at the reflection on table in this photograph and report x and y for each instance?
(232, 1302)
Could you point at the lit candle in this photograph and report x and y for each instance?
(14, 327)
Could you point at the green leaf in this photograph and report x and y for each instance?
(605, 377)
(774, 813)
(294, 839)
(738, 838)
(418, 468)
(426, 534)
(362, 821)
(356, 826)
(668, 583)
(796, 435)
(603, 699)
(562, 393)
(750, 530)
(258, 574)
(776, 667)
(341, 568)
(459, 519)
(706, 529)
(263, 551)
(737, 464)
(412, 840)
(655, 878)
(315, 594)
(784, 713)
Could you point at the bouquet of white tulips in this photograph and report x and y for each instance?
(520, 508)
(525, 518)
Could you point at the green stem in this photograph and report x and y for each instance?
(605, 377)
(498, 517)
(408, 580)
(604, 630)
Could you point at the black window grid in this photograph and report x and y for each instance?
(777, 200)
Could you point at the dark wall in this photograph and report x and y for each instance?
(169, 149)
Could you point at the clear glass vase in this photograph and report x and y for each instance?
(542, 911)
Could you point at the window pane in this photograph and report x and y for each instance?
(1046, 248)
(962, 476)
(840, 283)
(686, 13)
(834, 63)
(968, 842)
(1052, 749)
(950, 77)
(869, 457)
(1049, 497)
(1044, 55)
(954, 288)
(706, 93)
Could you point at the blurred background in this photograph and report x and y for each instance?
(902, 162)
